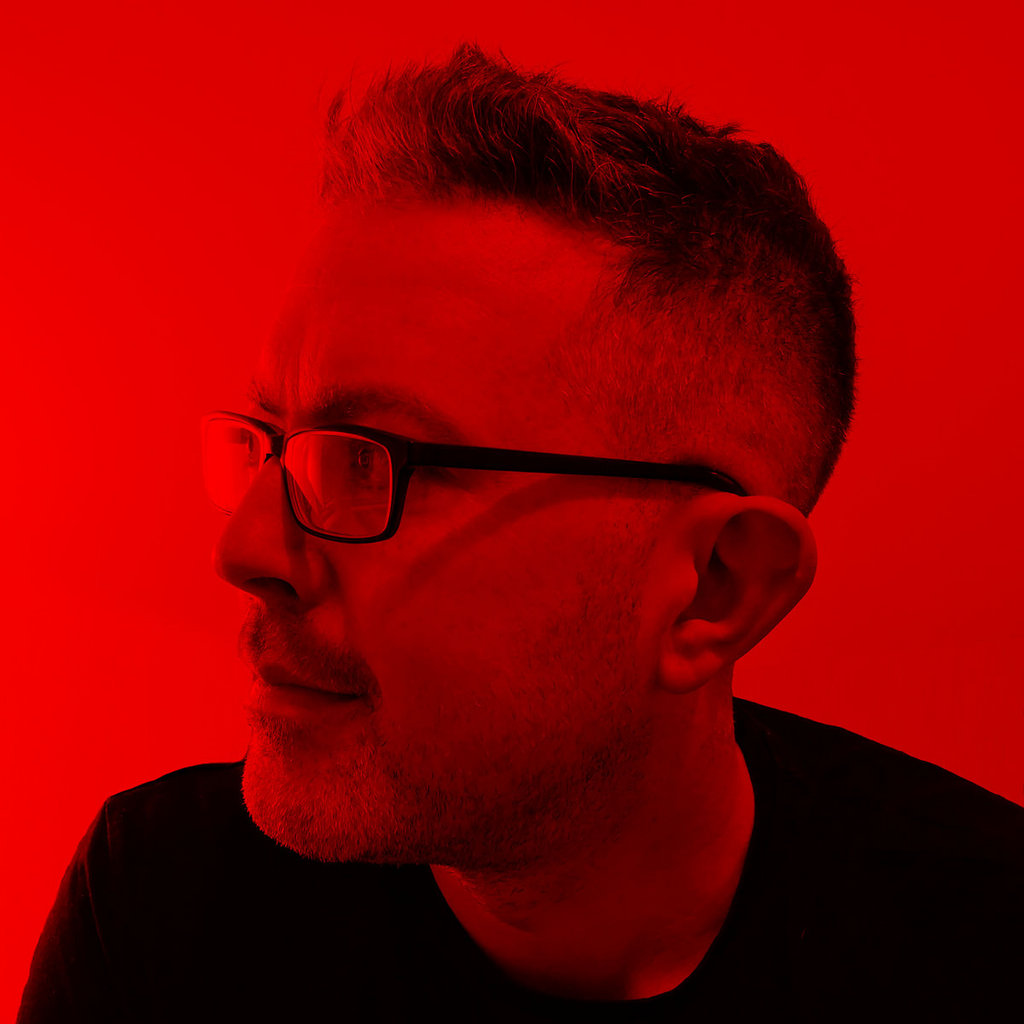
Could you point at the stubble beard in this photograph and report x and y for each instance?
(559, 777)
(360, 803)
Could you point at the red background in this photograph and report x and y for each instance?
(160, 176)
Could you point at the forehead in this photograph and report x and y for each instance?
(454, 306)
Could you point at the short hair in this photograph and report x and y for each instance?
(730, 328)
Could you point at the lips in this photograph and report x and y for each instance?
(276, 675)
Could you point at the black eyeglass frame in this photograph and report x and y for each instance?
(407, 454)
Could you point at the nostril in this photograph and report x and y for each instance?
(271, 585)
(270, 589)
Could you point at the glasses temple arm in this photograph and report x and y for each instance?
(509, 460)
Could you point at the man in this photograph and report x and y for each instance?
(525, 471)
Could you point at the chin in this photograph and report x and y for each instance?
(316, 808)
(372, 802)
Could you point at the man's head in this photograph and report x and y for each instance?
(557, 271)
(724, 319)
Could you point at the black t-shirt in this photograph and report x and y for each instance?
(877, 887)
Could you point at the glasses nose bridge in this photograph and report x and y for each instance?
(275, 444)
(275, 447)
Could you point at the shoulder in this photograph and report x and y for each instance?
(174, 895)
(183, 876)
(186, 838)
(903, 877)
(199, 794)
(894, 800)
(193, 812)
(885, 852)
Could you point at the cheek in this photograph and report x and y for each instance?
(504, 624)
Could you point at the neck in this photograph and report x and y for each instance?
(631, 914)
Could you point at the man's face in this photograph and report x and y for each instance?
(508, 712)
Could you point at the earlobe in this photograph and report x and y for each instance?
(754, 559)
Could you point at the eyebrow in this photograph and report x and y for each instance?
(348, 405)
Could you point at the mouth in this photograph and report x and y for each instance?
(278, 692)
(277, 677)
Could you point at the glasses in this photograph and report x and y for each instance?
(348, 483)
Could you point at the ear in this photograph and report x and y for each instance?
(740, 566)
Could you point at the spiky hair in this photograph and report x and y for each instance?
(732, 319)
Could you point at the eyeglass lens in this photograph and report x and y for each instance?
(232, 456)
(339, 484)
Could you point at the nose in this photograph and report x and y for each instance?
(262, 549)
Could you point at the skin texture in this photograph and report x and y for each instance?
(546, 661)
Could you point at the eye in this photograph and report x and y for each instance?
(246, 440)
